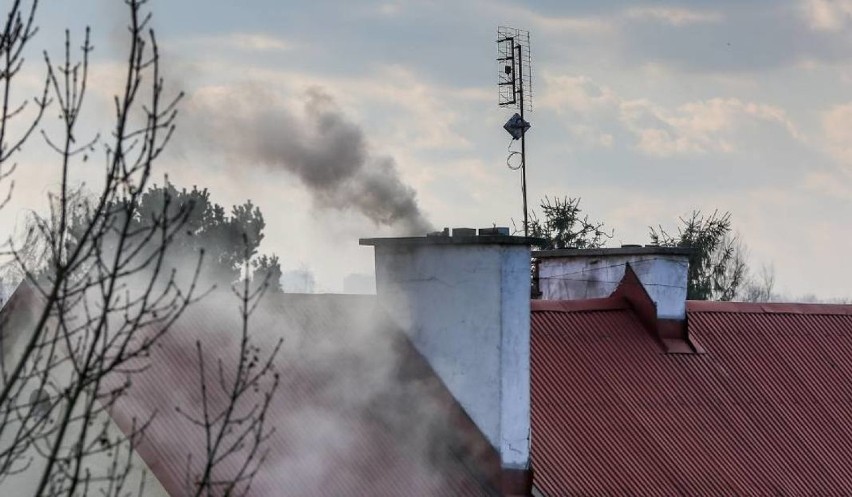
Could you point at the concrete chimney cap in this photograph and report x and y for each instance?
(621, 251)
(453, 240)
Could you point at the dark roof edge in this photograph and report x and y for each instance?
(452, 240)
(582, 305)
(695, 306)
(598, 252)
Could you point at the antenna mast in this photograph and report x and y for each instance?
(514, 86)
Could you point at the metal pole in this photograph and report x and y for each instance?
(520, 59)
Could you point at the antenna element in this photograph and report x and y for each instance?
(514, 89)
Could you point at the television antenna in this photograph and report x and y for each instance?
(514, 88)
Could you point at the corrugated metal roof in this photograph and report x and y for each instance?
(358, 411)
(764, 412)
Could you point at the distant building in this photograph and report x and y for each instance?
(298, 281)
(360, 284)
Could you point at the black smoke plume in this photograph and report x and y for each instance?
(324, 149)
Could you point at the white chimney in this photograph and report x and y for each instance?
(570, 274)
(464, 301)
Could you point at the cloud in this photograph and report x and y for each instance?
(590, 136)
(556, 24)
(242, 42)
(607, 23)
(676, 16)
(833, 185)
(390, 9)
(420, 114)
(611, 22)
(434, 118)
(417, 111)
(827, 15)
(703, 37)
(837, 133)
(698, 127)
(258, 42)
(578, 25)
(576, 94)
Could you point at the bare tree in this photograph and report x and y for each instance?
(16, 33)
(104, 291)
(234, 426)
(760, 288)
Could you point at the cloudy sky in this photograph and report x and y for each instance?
(346, 119)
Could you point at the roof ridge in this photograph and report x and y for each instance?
(580, 305)
(813, 309)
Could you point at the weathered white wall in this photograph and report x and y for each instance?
(466, 308)
(515, 396)
(581, 277)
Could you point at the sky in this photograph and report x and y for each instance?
(645, 110)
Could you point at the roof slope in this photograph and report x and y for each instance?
(764, 412)
(358, 412)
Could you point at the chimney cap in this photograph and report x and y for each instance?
(494, 230)
(452, 240)
(464, 232)
(602, 252)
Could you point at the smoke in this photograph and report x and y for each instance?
(320, 146)
(357, 412)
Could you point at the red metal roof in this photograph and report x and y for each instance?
(358, 411)
(764, 412)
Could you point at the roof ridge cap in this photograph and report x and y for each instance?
(579, 305)
(789, 308)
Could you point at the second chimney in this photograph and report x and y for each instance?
(572, 274)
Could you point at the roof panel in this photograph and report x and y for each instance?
(764, 412)
(358, 411)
